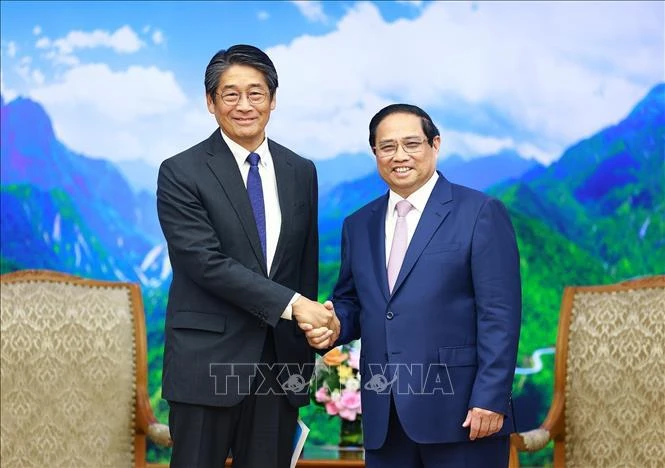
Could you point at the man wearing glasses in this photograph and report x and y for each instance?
(239, 214)
(430, 282)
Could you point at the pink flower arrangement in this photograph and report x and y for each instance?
(322, 395)
(345, 404)
(349, 404)
(336, 384)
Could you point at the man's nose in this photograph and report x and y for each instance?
(400, 154)
(243, 102)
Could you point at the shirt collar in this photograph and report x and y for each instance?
(418, 198)
(240, 154)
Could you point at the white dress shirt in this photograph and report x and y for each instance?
(270, 198)
(418, 200)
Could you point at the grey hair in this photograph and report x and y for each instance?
(239, 54)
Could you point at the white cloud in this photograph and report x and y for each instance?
(43, 43)
(23, 68)
(60, 51)
(8, 94)
(133, 112)
(12, 48)
(532, 151)
(263, 15)
(157, 37)
(471, 144)
(31, 76)
(62, 59)
(153, 139)
(38, 77)
(123, 40)
(123, 96)
(137, 112)
(547, 74)
(146, 29)
(87, 130)
(37, 30)
(312, 10)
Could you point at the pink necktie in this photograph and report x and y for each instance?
(399, 245)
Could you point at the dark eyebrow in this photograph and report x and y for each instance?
(251, 85)
(395, 141)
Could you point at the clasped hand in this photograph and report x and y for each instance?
(318, 321)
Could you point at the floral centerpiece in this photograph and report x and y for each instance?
(336, 387)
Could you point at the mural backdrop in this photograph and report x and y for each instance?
(558, 109)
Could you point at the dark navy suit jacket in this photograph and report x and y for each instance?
(221, 299)
(446, 339)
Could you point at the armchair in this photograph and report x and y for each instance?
(73, 372)
(609, 388)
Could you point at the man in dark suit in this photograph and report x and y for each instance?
(430, 281)
(239, 213)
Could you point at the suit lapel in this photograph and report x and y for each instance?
(436, 210)
(225, 168)
(285, 176)
(377, 240)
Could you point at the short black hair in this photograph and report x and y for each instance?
(240, 54)
(429, 128)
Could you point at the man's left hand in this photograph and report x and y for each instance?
(482, 422)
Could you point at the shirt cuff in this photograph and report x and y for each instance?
(288, 312)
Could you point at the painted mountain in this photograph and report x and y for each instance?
(594, 216)
(65, 211)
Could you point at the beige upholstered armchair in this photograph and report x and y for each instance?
(73, 373)
(609, 390)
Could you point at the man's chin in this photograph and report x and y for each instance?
(246, 130)
(247, 134)
(399, 185)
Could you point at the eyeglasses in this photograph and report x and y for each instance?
(254, 97)
(388, 149)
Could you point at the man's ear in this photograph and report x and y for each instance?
(436, 143)
(273, 101)
(210, 103)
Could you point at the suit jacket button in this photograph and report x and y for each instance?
(390, 315)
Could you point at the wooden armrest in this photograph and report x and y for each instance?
(147, 423)
(531, 441)
(552, 428)
(159, 434)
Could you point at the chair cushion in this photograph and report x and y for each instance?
(615, 386)
(68, 375)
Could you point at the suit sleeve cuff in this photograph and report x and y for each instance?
(288, 312)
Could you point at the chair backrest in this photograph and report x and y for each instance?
(69, 370)
(610, 365)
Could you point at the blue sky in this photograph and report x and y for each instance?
(123, 80)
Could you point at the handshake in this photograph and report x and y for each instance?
(318, 321)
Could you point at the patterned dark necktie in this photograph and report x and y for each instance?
(255, 192)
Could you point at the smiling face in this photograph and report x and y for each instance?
(405, 172)
(243, 122)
